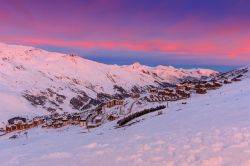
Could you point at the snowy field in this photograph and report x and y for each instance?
(210, 130)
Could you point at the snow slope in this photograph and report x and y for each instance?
(47, 76)
(210, 130)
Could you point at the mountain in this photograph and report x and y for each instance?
(212, 129)
(34, 81)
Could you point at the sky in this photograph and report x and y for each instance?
(153, 32)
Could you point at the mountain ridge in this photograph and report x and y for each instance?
(40, 80)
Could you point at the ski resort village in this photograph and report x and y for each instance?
(61, 109)
(124, 82)
(121, 107)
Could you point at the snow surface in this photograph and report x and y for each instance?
(210, 130)
(34, 70)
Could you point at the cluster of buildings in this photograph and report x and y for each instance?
(94, 118)
(185, 89)
(114, 102)
(167, 94)
(110, 104)
(88, 120)
(60, 120)
(19, 123)
(54, 121)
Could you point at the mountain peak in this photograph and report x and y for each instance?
(136, 65)
(161, 67)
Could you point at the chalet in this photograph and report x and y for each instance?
(98, 119)
(57, 124)
(183, 93)
(65, 121)
(76, 117)
(201, 91)
(38, 121)
(8, 128)
(30, 124)
(60, 124)
(22, 126)
(113, 103)
(83, 122)
(113, 117)
(49, 125)
(13, 127)
(18, 125)
(91, 125)
(25, 126)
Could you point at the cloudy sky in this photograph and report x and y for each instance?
(179, 32)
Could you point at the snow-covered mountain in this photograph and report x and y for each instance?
(34, 80)
(212, 129)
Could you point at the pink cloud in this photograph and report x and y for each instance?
(157, 45)
(239, 47)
